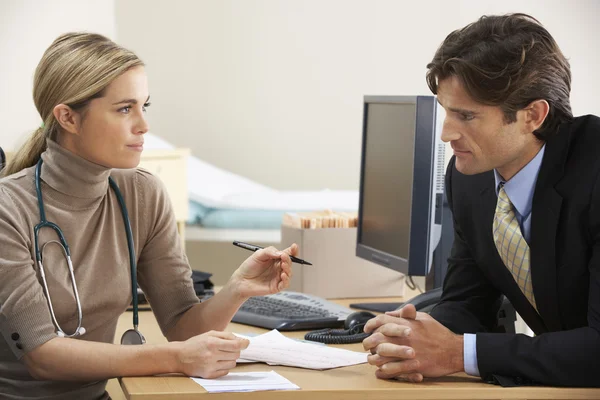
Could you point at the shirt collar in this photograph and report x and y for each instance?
(520, 188)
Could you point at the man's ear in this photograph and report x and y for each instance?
(69, 120)
(535, 114)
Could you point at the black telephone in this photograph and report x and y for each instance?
(352, 333)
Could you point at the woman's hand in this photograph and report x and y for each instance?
(266, 271)
(211, 354)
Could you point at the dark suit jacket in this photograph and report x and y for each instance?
(565, 267)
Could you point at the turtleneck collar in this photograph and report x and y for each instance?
(72, 175)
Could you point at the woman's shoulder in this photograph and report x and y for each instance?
(17, 196)
(17, 185)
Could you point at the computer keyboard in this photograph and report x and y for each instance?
(291, 311)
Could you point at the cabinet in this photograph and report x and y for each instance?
(170, 166)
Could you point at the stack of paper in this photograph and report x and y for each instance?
(246, 382)
(275, 349)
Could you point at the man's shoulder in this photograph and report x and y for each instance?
(586, 122)
(582, 139)
(584, 129)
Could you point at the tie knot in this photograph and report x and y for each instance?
(504, 203)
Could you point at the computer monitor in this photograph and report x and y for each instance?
(401, 182)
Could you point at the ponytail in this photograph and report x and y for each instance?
(29, 154)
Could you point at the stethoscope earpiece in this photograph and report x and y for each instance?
(78, 332)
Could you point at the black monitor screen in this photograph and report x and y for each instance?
(388, 177)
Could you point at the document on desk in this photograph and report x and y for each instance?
(246, 382)
(274, 348)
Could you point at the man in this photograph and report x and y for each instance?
(524, 189)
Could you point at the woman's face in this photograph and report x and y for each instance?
(111, 130)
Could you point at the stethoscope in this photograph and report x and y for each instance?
(131, 336)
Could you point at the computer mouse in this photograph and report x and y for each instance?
(356, 321)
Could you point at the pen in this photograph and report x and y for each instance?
(253, 247)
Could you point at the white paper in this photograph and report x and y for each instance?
(246, 382)
(275, 349)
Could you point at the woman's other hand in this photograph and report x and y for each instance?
(211, 354)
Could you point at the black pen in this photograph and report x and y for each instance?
(253, 247)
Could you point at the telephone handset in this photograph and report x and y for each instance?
(352, 333)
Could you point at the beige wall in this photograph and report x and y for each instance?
(272, 89)
(27, 27)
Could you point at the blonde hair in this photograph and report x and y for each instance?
(76, 68)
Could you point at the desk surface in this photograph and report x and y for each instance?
(353, 383)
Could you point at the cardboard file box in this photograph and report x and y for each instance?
(336, 271)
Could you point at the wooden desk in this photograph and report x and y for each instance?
(349, 383)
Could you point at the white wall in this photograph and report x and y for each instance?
(27, 28)
(272, 89)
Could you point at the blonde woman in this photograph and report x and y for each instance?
(73, 193)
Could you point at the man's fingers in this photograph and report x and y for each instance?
(378, 360)
(414, 377)
(397, 368)
(379, 337)
(408, 311)
(373, 341)
(394, 350)
(382, 319)
(394, 330)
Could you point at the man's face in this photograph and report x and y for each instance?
(479, 135)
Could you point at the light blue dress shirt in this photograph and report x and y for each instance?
(519, 189)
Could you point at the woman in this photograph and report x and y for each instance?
(92, 96)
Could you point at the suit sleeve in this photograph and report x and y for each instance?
(564, 358)
(469, 302)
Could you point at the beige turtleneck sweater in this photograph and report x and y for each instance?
(78, 198)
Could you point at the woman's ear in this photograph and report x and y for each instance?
(69, 120)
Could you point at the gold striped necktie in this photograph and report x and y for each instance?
(511, 245)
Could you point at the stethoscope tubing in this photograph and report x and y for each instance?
(44, 223)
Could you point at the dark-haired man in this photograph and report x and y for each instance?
(524, 189)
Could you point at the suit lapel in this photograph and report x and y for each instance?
(545, 215)
(501, 276)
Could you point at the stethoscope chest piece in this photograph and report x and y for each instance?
(133, 336)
